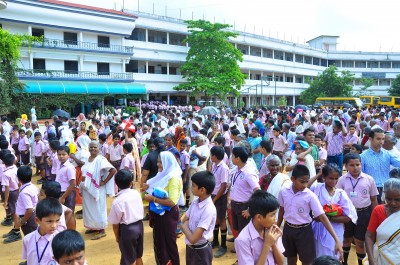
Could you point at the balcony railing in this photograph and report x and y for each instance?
(71, 75)
(81, 45)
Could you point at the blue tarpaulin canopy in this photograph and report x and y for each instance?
(77, 87)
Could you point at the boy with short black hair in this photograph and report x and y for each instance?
(185, 161)
(115, 151)
(220, 197)
(296, 202)
(260, 241)
(362, 191)
(220, 141)
(103, 144)
(52, 189)
(23, 148)
(69, 248)
(39, 150)
(128, 162)
(66, 176)
(10, 185)
(126, 216)
(27, 200)
(199, 221)
(35, 247)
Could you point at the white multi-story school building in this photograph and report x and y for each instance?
(93, 50)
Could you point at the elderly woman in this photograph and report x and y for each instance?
(274, 180)
(164, 226)
(199, 154)
(383, 238)
(97, 182)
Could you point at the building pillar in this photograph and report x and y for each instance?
(102, 106)
(167, 68)
(168, 99)
(80, 36)
(236, 102)
(187, 99)
(83, 107)
(30, 59)
(147, 67)
(167, 38)
(248, 104)
(294, 100)
(30, 30)
(147, 96)
(147, 35)
(80, 63)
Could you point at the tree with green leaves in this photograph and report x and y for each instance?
(211, 66)
(329, 83)
(366, 83)
(10, 87)
(282, 101)
(394, 89)
(13, 97)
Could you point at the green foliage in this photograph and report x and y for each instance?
(211, 66)
(366, 83)
(394, 89)
(282, 101)
(10, 87)
(328, 84)
(130, 110)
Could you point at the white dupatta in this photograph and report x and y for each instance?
(387, 246)
(171, 169)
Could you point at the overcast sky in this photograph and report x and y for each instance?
(362, 25)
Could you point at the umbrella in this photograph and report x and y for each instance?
(196, 108)
(61, 113)
(209, 111)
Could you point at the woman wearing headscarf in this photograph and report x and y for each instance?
(179, 135)
(260, 127)
(164, 226)
(97, 183)
(78, 159)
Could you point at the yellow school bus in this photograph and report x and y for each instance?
(339, 102)
(370, 100)
(390, 101)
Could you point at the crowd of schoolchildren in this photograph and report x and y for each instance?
(287, 184)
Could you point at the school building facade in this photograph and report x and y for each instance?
(101, 51)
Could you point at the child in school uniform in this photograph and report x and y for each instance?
(36, 247)
(69, 248)
(103, 144)
(115, 151)
(260, 241)
(296, 202)
(11, 190)
(220, 141)
(126, 216)
(14, 140)
(128, 162)
(362, 190)
(185, 161)
(219, 197)
(27, 200)
(39, 151)
(52, 159)
(199, 221)
(66, 176)
(23, 148)
(328, 193)
(52, 189)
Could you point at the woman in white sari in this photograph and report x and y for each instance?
(382, 239)
(97, 183)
